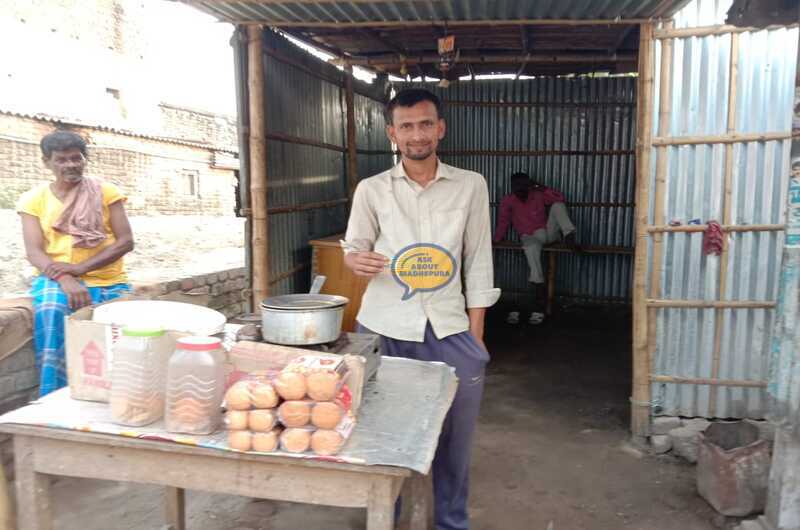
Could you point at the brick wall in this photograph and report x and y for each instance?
(158, 176)
(199, 126)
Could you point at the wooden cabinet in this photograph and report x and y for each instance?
(327, 258)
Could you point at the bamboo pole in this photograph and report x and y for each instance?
(289, 139)
(258, 165)
(730, 138)
(725, 228)
(389, 61)
(727, 215)
(291, 272)
(352, 157)
(640, 398)
(536, 104)
(707, 31)
(275, 210)
(711, 304)
(545, 152)
(448, 23)
(659, 201)
(700, 381)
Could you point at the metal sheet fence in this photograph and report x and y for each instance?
(573, 134)
(305, 108)
(695, 190)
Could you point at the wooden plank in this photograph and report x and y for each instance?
(711, 304)
(445, 23)
(34, 510)
(725, 228)
(380, 504)
(276, 481)
(729, 138)
(727, 217)
(107, 440)
(258, 166)
(352, 156)
(640, 399)
(710, 382)
(175, 507)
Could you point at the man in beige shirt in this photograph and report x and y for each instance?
(425, 224)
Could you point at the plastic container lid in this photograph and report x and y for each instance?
(199, 343)
(142, 332)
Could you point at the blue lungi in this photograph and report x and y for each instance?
(451, 462)
(50, 307)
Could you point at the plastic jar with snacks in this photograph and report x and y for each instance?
(138, 376)
(195, 386)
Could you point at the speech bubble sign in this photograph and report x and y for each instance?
(423, 267)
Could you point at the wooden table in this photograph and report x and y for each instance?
(41, 452)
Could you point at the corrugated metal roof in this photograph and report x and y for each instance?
(277, 12)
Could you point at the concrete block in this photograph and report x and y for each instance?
(696, 424)
(664, 424)
(19, 360)
(766, 430)
(661, 443)
(223, 275)
(685, 443)
(26, 379)
(212, 278)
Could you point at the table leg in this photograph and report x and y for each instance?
(551, 283)
(33, 489)
(416, 506)
(380, 505)
(175, 507)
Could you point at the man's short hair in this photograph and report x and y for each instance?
(520, 176)
(408, 98)
(62, 141)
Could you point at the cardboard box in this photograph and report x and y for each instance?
(88, 349)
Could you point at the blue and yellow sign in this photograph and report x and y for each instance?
(423, 267)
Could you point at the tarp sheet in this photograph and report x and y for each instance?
(398, 424)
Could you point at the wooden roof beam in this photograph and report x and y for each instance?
(556, 59)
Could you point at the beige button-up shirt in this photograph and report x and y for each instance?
(390, 212)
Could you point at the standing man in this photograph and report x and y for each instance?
(75, 231)
(526, 209)
(422, 201)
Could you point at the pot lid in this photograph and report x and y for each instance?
(304, 301)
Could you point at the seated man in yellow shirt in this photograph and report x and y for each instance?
(76, 232)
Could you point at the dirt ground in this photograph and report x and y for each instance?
(549, 448)
(168, 247)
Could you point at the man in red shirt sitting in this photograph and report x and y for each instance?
(526, 209)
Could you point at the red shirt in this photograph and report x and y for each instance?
(526, 217)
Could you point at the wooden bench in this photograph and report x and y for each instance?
(553, 251)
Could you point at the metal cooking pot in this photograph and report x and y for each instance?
(302, 319)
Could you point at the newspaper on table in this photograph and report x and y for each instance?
(399, 423)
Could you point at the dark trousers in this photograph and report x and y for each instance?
(451, 462)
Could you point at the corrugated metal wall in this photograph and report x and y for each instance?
(695, 184)
(584, 116)
(308, 108)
